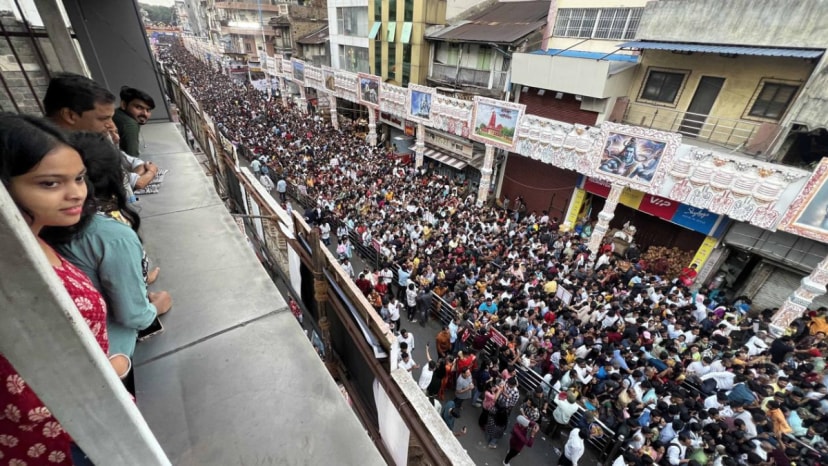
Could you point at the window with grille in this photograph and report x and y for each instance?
(662, 86)
(598, 23)
(575, 22)
(773, 100)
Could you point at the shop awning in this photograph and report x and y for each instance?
(445, 158)
(723, 49)
(374, 30)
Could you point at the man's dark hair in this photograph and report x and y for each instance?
(75, 92)
(128, 94)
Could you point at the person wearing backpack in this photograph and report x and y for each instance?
(677, 451)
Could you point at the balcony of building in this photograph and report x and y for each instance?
(590, 74)
(735, 97)
(232, 364)
(246, 29)
(204, 345)
(745, 136)
(475, 54)
(572, 85)
(397, 421)
(461, 76)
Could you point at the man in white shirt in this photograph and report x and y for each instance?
(739, 412)
(677, 450)
(427, 373)
(574, 448)
(407, 337)
(394, 312)
(563, 413)
(407, 363)
(699, 368)
(756, 345)
(724, 380)
(387, 275)
(583, 371)
(266, 182)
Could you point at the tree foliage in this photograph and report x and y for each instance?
(159, 13)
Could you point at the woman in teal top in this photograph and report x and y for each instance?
(109, 250)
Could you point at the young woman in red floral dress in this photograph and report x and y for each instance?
(46, 179)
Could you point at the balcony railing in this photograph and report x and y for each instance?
(742, 135)
(459, 75)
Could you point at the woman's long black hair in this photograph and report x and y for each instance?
(24, 141)
(105, 173)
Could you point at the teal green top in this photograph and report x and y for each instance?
(128, 130)
(112, 256)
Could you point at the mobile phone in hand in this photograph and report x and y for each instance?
(155, 328)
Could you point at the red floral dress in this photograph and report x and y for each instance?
(29, 434)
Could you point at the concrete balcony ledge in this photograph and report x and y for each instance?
(232, 380)
(589, 77)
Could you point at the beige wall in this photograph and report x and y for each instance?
(742, 74)
(744, 77)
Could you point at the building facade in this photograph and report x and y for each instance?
(271, 26)
(576, 73)
(314, 47)
(349, 26)
(474, 55)
(398, 51)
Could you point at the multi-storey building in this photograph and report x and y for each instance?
(268, 25)
(197, 16)
(576, 72)
(747, 85)
(397, 48)
(743, 86)
(313, 47)
(349, 26)
(182, 16)
(474, 55)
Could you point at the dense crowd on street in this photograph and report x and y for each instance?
(686, 376)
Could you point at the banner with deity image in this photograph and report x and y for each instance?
(495, 122)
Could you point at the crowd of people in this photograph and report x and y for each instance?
(684, 376)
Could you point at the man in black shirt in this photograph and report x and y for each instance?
(780, 348)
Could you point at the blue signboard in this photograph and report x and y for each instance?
(695, 218)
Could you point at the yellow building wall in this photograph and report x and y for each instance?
(744, 76)
(424, 13)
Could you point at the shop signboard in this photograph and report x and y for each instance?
(599, 187)
(659, 206)
(575, 206)
(695, 218)
(631, 198)
(704, 251)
